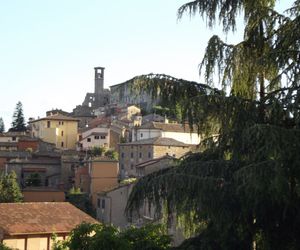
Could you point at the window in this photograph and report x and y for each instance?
(140, 155)
(141, 135)
(122, 155)
(62, 133)
(96, 137)
(13, 138)
(103, 136)
(103, 204)
(48, 124)
(98, 203)
(122, 166)
(62, 144)
(62, 123)
(88, 139)
(149, 155)
(131, 155)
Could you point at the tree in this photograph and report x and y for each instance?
(4, 247)
(98, 151)
(242, 190)
(33, 180)
(88, 236)
(18, 123)
(112, 154)
(2, 127)
(9, 188)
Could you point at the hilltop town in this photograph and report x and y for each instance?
(157, 162)
(93, 156)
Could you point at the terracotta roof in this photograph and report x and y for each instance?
(160, 141)
(40, 217)
(56, 117)
(171, 127)
(98, 121)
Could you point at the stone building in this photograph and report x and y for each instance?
(92, 101)
(154, 165)
(47, 171)
(133, 153)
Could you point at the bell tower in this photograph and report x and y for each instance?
(99, 80)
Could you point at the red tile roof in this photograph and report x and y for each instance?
(40, 218)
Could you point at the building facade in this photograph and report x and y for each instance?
(94, 137)
(133, 153)
(96, 176)
(57, 129)
(176, 131)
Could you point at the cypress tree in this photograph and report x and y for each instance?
(2, 127)
(18, 123)
(9, 188)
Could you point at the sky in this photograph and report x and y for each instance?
(49, 48)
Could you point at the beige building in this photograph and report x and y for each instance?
(57, 129)
(111, 205)
(98, 175)
(133, 153)
(29, 226)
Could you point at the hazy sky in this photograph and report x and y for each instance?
(48, 48)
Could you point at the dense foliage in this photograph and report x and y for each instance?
(4, 247)
(242, 190)
(9, 188)
(98, 236)
(18, 123)
(33, 180)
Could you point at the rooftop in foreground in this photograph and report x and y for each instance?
(40, 218)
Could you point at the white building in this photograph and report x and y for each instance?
(95, 137)
(179, 132)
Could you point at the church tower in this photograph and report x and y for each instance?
(99, 80)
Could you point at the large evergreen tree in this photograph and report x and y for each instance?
(2, 127)
(18, 123)
(9, 188)
(242, 190)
